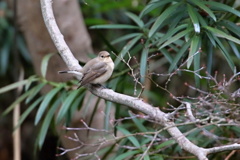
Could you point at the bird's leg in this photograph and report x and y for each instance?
(98, 85)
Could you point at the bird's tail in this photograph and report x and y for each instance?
(78, 74)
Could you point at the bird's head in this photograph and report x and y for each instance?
(104, 56)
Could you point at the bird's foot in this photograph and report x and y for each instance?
(99, 86)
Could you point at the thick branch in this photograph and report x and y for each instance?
(156, 114)
(57, 37)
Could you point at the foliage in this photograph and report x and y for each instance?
(180, 37)
(7, 33)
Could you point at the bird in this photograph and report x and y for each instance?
(96, 71)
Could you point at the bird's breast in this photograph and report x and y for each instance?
(103, 78)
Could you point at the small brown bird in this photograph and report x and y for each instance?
(95, 71)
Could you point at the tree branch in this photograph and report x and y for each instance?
(132, 102)
(57, 37)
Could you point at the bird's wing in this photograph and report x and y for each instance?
(94, 72)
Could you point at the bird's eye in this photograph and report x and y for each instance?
(102, 56)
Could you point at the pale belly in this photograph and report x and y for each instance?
(104, 77)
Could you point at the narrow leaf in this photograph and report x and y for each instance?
(130, 138)
(211, 38)
(15, 85)
(4, 58)
(193, 49)
(193, 15)
(114, 26)
(165, 144)
(135, 18)
(45, 103)
(235, 49)
(225, 53)
(127, 48)
(171, 32)
(201, 5)
(28, 111)
(139, 123)
(125, 37)
(222, 34)
(153, 5)
(143, 63)
(232, 27)
(127, 155)
(179, 55)
(17, 101)
(45, 64)
(196, 64)
(67, 104)
(209, 57)
(176, 37)
(166, 55)
(46, 122)
(35, 92)
(222, 7)
(107, 112)
(162, 18)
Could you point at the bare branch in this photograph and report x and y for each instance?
(223, 148)
(57, 37)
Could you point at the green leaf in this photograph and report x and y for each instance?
(162, 18)
(47, 99)
(17, 101)
(195, 44)
(166, 55)
(127, 155)
(125, 37)
(211, 38)
(23, 48)
(225, 53)
(46, 122)
(45, 64)
(193, 15)
(146, 157)
(201, 5)
(28, 111)
(127, 48)
(171, 32)
(165, 144)
(223, 7)
(176, 37)
(197, 59)
(139, 123)
(222, 34)
(15, 85)
(130, 138)
(143, 63)
(153, 5)
(179, 55)
(35, 92)
(232, 27)
(114, 26)
(135, 18)
(209, 57)
(107, 112)
(235, 49)
(4, 58)
(67, 104)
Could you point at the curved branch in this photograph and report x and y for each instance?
(57, 37)
(132, 102)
